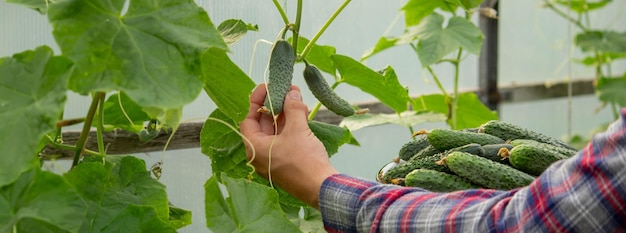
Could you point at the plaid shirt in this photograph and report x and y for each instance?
(586, 193)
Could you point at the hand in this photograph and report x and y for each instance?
(299, 161)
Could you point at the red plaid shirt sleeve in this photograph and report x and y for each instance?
(586, 193)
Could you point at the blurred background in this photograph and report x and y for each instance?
(535, 46)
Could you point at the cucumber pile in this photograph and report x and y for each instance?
(497, 155)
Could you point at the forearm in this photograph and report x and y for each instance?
(581, 194)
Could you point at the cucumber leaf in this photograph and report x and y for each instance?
(32, 98)
(435, 41)
(416, 10)
(40, 201)
(612, 90)
(224, 146)
(406, 118)
(383, 85)
(319, 55)
(581, 6)
(332, 136)
(120, 192)
(226, 84)
(38, 5)
(150, 51)
(117, 107)
(601, 41)
(471, 112)
(250, 207)
(234, 29)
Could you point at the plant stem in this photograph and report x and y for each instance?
(281, 11)
(70, 147)
(296, 31)
(456, 89)
(319, 104)
(565, 16)
(100, 124)
(436, 79)
(80, 144)
(308, 47)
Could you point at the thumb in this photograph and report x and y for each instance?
(295, 110)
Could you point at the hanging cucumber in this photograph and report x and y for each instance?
(322, 92)
(282, 59)
(508, 131)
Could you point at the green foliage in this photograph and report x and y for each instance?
(406, 118)
(385, 87)
(612, 90)
(31, 100)
(240, 213)
(117, 107)
(474, 112)
(234, 29)
(121, 190)
(40, 201)
(104, 45)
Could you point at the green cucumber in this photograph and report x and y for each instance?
(509, 132)
(424, 161)
(486, 173)
(491, 152)
(562, 150)
(428, 151)
(437, 181)
(445, 139)
(282, 59)
(411, 148)
(533, 159)
(322, 92)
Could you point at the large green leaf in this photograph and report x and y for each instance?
(406, 118)
(471, 112)
(435, 41)
(119, 111)
(226, 84)
(151, 51)
(581, 6)
(234, 29)
(383, 85)
(38, 5)
(416, 10)
(32, 96)
(601, 41)
(224, 146)
(332, 136)
(250, 207)
(319, 55)
(612, 90)
(466, 4)
(40, 201)
(120, 193)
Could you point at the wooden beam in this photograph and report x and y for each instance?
(188, 134)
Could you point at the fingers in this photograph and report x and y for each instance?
(251, 124)
(295, 110)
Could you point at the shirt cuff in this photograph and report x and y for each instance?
(339, 201)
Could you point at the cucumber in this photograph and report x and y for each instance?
(282, 59)
(437, 181)
(445, 139)
(429, 151)
(491, 152)
(409, 149)
(484, 172)
(509, 132)
(564, 151)
(322, 92)
(424, 161)
(533, 159)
